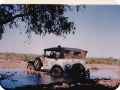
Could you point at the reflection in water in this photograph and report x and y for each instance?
(32, 77)
(106, 73)
(33, 73)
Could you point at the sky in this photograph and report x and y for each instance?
(97, 31)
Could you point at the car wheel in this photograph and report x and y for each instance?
(78, 71)
(37, 64)
(56, 71)
(30, 66)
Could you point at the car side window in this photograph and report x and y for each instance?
(52, 54)
(55, 55)
(61, 56)
(77, 55)
(72, 55)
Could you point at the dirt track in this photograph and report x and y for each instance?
(12, 65)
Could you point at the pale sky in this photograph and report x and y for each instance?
(97, 31)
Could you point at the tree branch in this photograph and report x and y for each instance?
(12, 18)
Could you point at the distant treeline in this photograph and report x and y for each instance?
(27, 57)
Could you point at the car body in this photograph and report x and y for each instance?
(62, 58)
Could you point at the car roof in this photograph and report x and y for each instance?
(63, 49)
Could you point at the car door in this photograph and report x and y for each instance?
(48, 63)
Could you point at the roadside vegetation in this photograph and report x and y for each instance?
(109, 61)
(17, 57)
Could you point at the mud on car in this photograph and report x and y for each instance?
(60, 60)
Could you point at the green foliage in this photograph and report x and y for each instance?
(40, 19)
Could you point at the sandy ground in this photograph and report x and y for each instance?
(12, 65)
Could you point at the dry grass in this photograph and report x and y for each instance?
(109, 61)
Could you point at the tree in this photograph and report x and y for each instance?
(40, 19)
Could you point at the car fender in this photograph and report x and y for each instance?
(31, 62)
(79, 64)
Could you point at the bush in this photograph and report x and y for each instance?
(27, 58)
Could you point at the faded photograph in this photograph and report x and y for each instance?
(54, 47)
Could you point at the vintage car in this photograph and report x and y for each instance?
(60, 60)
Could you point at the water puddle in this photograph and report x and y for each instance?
(22, 78)
(104, 73)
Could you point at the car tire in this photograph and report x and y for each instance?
(37, 64)
(78, 71)
(30, 66)
(56, 71)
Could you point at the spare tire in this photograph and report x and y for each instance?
(37, 64)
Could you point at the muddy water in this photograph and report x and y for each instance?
(22, 78)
